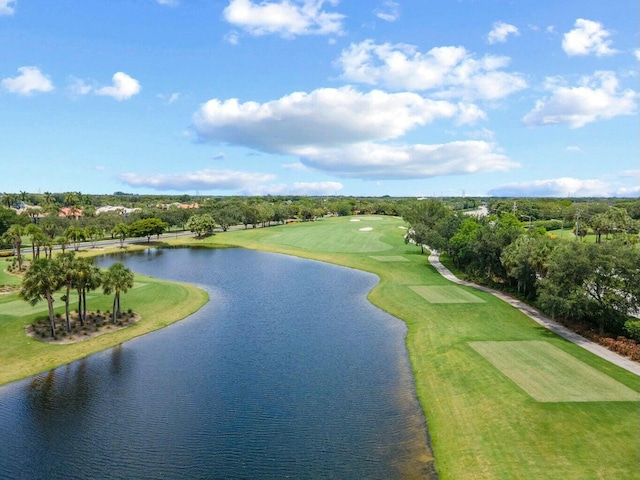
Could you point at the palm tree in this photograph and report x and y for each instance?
(66, 264)
(87, 277)
(117, 279)
(63, 241)
(39, 283)
(121, 231)
(76, 234)
(15, 234)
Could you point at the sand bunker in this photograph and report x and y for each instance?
(366, 229)
(354, 220)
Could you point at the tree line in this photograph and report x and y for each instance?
(596, 284)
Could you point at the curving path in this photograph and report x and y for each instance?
(627, 364)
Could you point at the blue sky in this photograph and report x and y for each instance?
(320, 97)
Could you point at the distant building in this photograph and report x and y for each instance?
(124, 211)
(71, 212)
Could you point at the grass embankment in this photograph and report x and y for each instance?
(483, 424)
(158, 302)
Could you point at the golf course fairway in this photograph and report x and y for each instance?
(499, 391)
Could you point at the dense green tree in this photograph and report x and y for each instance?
(201, 224)
(147, 227)
(76, 235)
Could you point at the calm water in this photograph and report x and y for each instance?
(288, 372)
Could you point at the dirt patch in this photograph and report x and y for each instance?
(97, 323)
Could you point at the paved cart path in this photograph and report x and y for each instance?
(627, 364)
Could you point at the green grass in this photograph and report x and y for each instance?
(344, 236)
(159, 303)
(7, 278)
(482, 424)
(446, 294)
(548, 374)
(390, 258)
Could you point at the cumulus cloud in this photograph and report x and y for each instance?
(327, 116)
(287, 18)
(78, 87)
(564, 187)
(500, 32)
(637, 54)
(171, 3)
(198, 180)
(30, 80)
(588, 37)
(348, 133)
(573, 148)
(123, 87)
(7, 7)
(596, 97)
(383, 161)
(389, 11)
(298, 188)
(451, 72)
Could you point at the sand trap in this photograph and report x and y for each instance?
(366, 229)
(354, 220)
(403, 228)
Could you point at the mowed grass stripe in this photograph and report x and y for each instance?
(445, 294)
(390, 258)
(549, 374)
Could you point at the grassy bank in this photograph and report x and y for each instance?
(159, 303)
(504, 397)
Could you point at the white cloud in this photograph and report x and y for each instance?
(574, 148)
(297, 166)
(298, 188)
(232, 37)
(7, 7)
(169, 99)
(382, 161)
(500, 32)
(123, 88)
(326, 116)
(30, 80)
(628, 192)
(637, 54)
(198, 180)
(450, 71)
(79, 87)
(389, 11)
(171, 3)
(563, 187)
(344, 131)
(588, 37)
(287, 18)
(598, 97)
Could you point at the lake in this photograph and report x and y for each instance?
(288, 372)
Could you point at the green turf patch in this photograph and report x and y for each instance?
(549, 374)
(391, 258)
(445, 294)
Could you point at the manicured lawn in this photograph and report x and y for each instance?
(6, 278)
(159, 303)
(483, 424)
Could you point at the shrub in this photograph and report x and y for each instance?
(633, 328)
